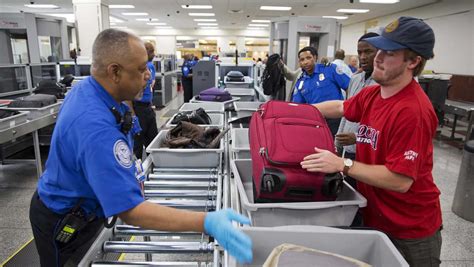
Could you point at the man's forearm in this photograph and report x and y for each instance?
(331, 109)
(381, 177)
(157, 217)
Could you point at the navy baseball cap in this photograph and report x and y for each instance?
(406, 32)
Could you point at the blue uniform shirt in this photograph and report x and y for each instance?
(90, 157)
(147, 95)
(324, 84)
(187, 67)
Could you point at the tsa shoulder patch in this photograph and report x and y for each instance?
(339, 70)
(122, 154)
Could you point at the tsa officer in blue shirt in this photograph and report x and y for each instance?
(90, 173)
(187, 78)
(143, 110)
(319, 82)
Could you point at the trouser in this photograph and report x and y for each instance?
(333, 125)
(147, 118)
(44, 224)
(188, 89)
(423, 252)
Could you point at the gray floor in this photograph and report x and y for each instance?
(18, 182)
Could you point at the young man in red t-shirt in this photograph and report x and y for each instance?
(394, 158)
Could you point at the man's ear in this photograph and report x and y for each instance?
(412, 63)
(114, 72)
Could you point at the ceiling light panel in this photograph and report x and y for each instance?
(335, 17)
(42, 6)
(156, 23)
(258, 25)
(209, 28)
(276, 8)
(349, 10)
(68, 16)
(261, 20)
(204, 20)
(202, 14)
(196, 6)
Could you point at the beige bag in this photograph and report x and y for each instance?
(289, 255)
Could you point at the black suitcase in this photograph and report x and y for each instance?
(50, 87)
(235, 76)
(33, 101)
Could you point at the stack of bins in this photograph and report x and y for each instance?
(244, 94)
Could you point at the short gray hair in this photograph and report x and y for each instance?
(110, 45)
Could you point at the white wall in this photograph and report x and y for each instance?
(452, 23)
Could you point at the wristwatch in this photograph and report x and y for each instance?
(347, 165)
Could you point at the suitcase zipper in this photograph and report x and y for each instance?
(265, 153)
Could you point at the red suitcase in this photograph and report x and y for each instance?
(281, 135)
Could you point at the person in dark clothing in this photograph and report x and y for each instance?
(187, 79)
(143, 110)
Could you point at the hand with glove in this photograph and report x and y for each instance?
(219, 225)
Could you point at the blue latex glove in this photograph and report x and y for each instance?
(219, 225)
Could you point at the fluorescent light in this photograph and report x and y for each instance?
(114, 19)
(261, 20)
(379, 1)
(335, 17)
(196, 6)
(113, 24)
(277, 8)
(156, 23)
(208, 24)
(205, 20)
(42, 6)
(135, 14)
(150, 19)
(254, 29)
(119, 27)
(209, 28)
(202, 14)
(164, 27)
(69, 17)
(258, 25)
(349, 10)
(121, 6)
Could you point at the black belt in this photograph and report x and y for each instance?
(141, 104)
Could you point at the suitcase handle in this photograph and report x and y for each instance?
(332, 186)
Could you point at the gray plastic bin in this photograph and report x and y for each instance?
(209, 107)
(240, 143)
(245, 94)
(340, 212)
(182, 158)
(371, 247)
(227, 104)
(38, 112)
(217, 120)
(14, 120)
(245, 109)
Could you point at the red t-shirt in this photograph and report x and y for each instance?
(397, 132)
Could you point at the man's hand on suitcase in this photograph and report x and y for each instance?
(323, 161)
(219, 225)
